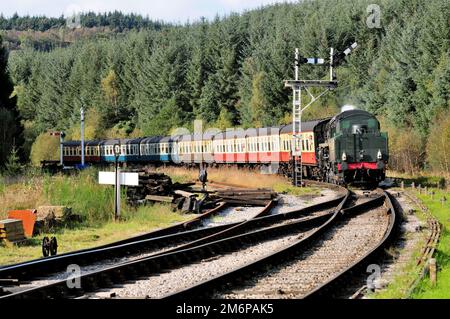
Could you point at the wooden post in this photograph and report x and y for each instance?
(402, 184)
(413, 185)
(433, 269)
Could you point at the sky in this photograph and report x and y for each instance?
(167, 10)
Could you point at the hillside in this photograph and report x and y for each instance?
(230, 71)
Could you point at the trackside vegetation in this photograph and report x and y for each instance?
(440, 210)
(93, 202)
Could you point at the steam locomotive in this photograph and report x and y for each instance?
(348, 148)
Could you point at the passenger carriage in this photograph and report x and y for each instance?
(72, 152)
(129, 150)
(151, 150)
(311, 137)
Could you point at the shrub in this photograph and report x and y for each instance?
(438, 146)
(12, 165)
(406, 148)
(45, 147)
(87, 198)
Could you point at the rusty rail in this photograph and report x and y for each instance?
(430, 246)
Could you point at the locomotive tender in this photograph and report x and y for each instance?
(348, 148)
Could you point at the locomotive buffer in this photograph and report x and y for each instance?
(298, 107)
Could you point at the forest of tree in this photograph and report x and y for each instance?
(230, 71)
(115, 20)
(10, 123)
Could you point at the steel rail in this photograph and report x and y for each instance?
(42, 267)
(430, 246)
(327, 289)
(206, 288)
(74, 256)
(155, 264)
(227, 280)
(179, 227)
(155, 239)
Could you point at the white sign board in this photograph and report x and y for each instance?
(126, 179)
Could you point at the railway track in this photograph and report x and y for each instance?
(77, 256)
(172, 235)
(314, 264)
(430, 245)
(225, 241)
(149, 243)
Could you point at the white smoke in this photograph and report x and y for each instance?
(348, 107)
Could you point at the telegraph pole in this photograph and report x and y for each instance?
(61, 146)
(117, 151)
(82, 137)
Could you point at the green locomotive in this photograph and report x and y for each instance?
(354, 149)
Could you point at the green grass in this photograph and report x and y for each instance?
(442, 213)
(93, 202)
(399, 286)
(83, 236)
(284, 188)
(82, 192)
(424, 180)
(2, 185)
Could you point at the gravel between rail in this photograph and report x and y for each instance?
(338, 248)
(311, 265)
(169, 282)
